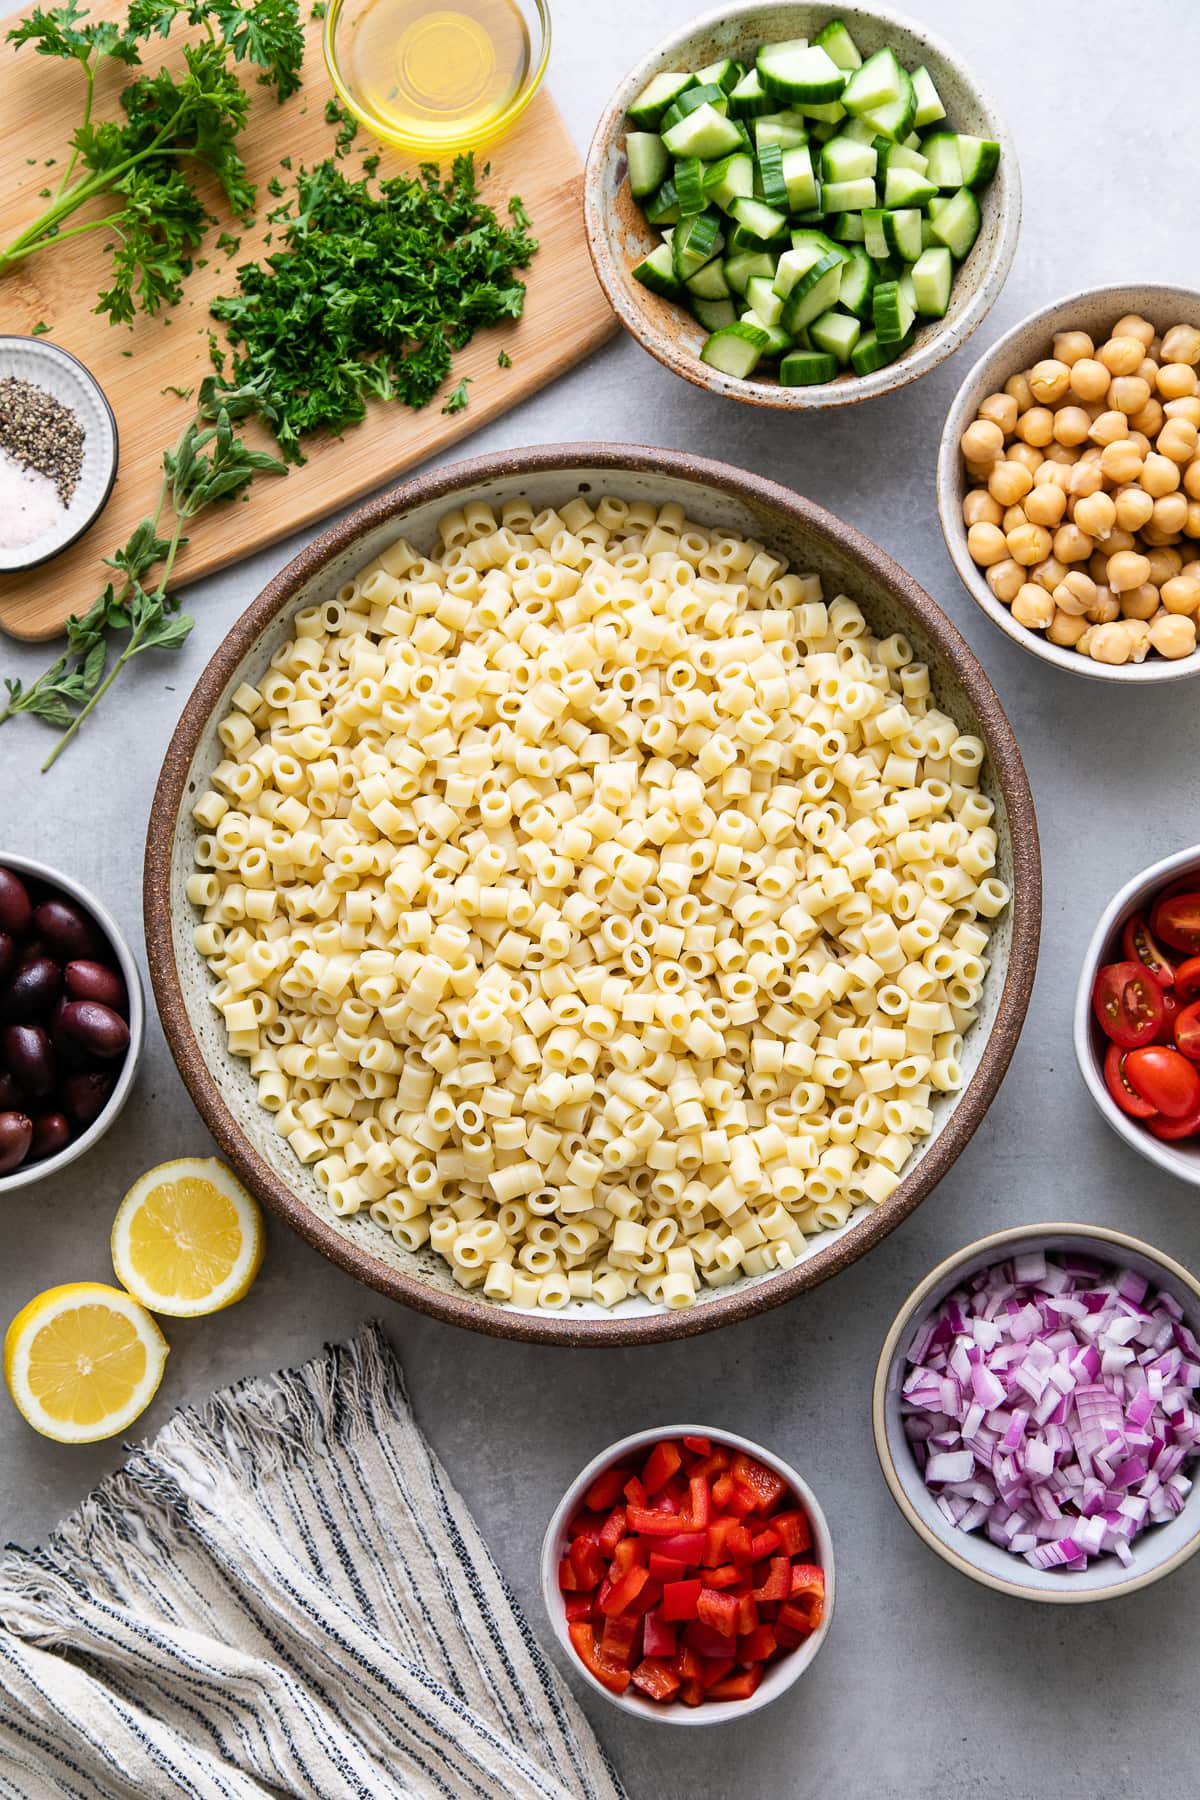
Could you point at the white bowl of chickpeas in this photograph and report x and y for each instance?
(1069, 483)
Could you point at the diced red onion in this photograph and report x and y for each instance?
(1055, 1403)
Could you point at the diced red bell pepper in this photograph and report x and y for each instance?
(775, 1587)
(720, 1610)
(764, 1543)
(579, 1606)
(660, 1637)
(714, 1541)
(701, 1445)
(728, 1575)
(606, 1489)
(722, 1491)
(767, 1487)
(587, 1562)
(655, 1522)
(634, 1492)
(705, 1640)
(757, 1645)
(684, 1546)
(747, 1613)
(687, 1664)
(680, 1598)
(737, 1687)
(586, 1524)
(619, 1637)
(699, 1508)
(715, 1463)
(629, 1551)
(714, 1669)
(739, 1544)
(624, 1592)
(660, 1465)
(650, 1596)
(807, 1578)
(655, 1679)
(742, 1501)
(667, 1568)
(691, 1693)
(568, 1581)
(613, 1530)
(795, 1536)
(607, 1672)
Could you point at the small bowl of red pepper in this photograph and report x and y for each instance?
(688, 1575)
(1137, 1014)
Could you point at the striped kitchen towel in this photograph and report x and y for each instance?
(281, 1594)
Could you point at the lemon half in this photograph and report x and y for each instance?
(188, 1238)
(82, 1361)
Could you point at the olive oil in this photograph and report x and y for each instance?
(439, 75)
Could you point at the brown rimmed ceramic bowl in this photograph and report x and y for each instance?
(619, 235)
(716, 495)
(1156, 1552)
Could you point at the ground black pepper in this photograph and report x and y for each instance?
(40, 433)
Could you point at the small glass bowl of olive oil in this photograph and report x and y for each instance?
(437, 77)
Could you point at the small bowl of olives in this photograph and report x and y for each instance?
(71, 1020)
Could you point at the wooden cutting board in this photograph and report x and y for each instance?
(565, 317)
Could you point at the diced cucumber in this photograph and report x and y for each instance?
(932, 275)
(877, 83)
(735, 349)
(799, 179)
(945, 163)
(928, 241)
(858, 129)
(730, 179)
(815, 215)
(764, 224)
(704, 133)
(806, 368)
(813, 294)
(905, 187)
(657, 272)
(893, 309)
(848, 228)
(844, 159)
(929, 105)
(787, 129)
(741, 270)
(765, 301)
(836, 333)
(658, 94)
(648, 161)
(724, 74)
(818, 243)
(798, 70)
(875, 234)
(858, 282)
(770, 183)
(903, 233)
(663, 208)
(899, 156)
(895, 119)
(979, 158)
(688, 177)
(838, 45)
(696, 241)
(823, 113)
(744, 138)
(794, 264)
(956, 222)
(709, 282)
(749, 98)
(777, 339)
(848, 196)
(869, 354)
(691, 101)
(714, 315)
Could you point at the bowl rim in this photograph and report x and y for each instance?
(950, 486)
(993, 1246)
(822, 395)
(78, 371)
(1163, 1154)
(711, 1713)
(409, 143)
(602, 460)
(28, 1173)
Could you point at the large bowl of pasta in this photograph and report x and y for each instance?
(592, 894)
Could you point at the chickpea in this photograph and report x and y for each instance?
(1005, 579)
(1046, 505)
(1187, 407)
(986, 545)
(1192, 522)
(1033, 607)
(1036, 426)
(1159, 475)
(1071, 425)
(1129, 393)
(982, 442)
(1140, 602)
(1140, 442)
(1009, 482)
(1062, 454)
(977, 473)
(1154, 350)
(1175, 381)
(1049, 380)
(1149, 421)
(1122, 355)
(1089, 379)
(1071, 347)
(1001, 410)
(1126, 570)
(1052, 473)
(1095, 514)
(1133, 325)
(1164, 565)
(978, 508)
(1111, 643)
(1066, 630)
(1071, 545)
(1118, 540)
(1029, 544)
(1048, 573)
(1148, 369)
(1087, 477)
(1108, 428)
(1181, 594)
(1173, 636)
(1084, 644)
(1013, 516)
(1170, 513)
(1121, 461)
(1191, 480)
(1025, 454)
(1139, 635)
(1133, 506)
(1097, 567)
(1179, 440)
(1181, 344)
(1106, 609)
(1018, 387)
(1075, 593)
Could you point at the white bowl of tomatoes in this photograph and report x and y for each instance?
(1137, 1014)
(688, 1575)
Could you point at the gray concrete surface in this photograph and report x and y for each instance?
(929, 1685)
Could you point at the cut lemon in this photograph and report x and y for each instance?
(82, 1361)
(188, 1238)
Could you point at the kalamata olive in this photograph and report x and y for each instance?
(95, 1028)
(85, 1097)
(16, 910)
(10, 1094)
(16, 1135)
(51, 1133)
(8, 953)
(29, 1057)
(66, 930)
(86, 980)
(32, 991)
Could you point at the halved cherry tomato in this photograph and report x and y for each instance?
(1138, 942)
(1164, 1078)
(1171, 1011)
(1187, 1031)
(1128, 1003)
(1125, 1097)
(1169, 1130)
(1176, 921)
(1187, 978)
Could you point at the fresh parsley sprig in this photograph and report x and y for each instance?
(172, 123)
(134, 612)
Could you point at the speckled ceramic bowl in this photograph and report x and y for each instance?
(48, 366)
(779, 1675)
(1180, 1159)
(619, 235)
(716, 495)
(1159, 1549)
(1094, 310)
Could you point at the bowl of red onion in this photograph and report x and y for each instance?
(1037, 1412)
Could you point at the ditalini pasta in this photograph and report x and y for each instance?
(594, 902)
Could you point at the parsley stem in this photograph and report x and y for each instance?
(89, 69)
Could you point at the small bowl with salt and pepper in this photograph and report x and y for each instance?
(58, 451)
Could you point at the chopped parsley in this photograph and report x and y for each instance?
(458, 399)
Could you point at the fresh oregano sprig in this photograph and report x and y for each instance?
(135, 613)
